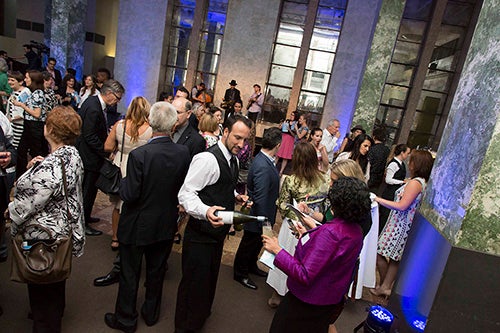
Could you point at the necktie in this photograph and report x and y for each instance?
(234, 168)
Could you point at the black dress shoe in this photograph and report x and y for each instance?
(89, 231)
(103, 281)
(94, 219)
(246, 282)
(149, 322)
(112, 322)
(258, 272)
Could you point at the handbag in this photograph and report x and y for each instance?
(42, 261)
(110, 175)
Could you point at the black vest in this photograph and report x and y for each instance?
(399, 175)
(219, 194)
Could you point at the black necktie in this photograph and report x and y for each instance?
(234, 168)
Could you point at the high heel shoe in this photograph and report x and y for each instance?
(380, 293)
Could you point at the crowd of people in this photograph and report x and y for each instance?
(55, 136)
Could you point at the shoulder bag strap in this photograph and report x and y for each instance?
(123, 139)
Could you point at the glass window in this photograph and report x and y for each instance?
(177, 76)
(207, 62)
(311, 102)
(290, 34)
(282, 76)
(457, 14)
(431, 102)
(277, 96)
(437, 80)
(215, 22)
(411, 31)
(180, 37)
(418, 9)
(320, 61)
(400, 74)
(218, 6)
(183, 17)
(394, 95)
(315, 81)
(324, 39)
(286, 55)
(210, 42)
(390, 116)
(406, 53)
(333, 3)
(294, 13)
(330, 18)
(178, 57)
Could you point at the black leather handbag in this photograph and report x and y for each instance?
(110, 174)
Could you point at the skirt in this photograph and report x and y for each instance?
(287, 145)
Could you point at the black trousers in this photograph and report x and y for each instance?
(296, 316)
(47, 303)
(253, 116)
(131, 259)
(200, 271)
(32, 142)
(246, 257)
(89, 192)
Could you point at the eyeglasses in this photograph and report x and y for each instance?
(119, 98)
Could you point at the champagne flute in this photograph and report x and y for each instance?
(267, 228)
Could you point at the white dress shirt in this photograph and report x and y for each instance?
(392, 168)
(330, 143)
(203, 171)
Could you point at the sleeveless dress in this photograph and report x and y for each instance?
(287, 140)
(392, 241)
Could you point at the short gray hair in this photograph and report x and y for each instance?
(162, 117)
(330, 123)
(113, 86)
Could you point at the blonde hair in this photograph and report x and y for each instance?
(347, 168)
(208, 123)
(137, 113)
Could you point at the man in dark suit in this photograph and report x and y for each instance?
(185, 134)
(231, 96)
(90, 144)
(148, 219)
(263, 190)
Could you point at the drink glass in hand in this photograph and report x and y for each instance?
(267, 229)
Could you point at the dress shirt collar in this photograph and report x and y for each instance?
(397, 159)
(227, 154)
(179, 131)
(157, 137)
(103, 104)
(268, 156)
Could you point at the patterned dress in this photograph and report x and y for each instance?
(315, 196)
(392, 241)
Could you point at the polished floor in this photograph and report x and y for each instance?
(236, 309)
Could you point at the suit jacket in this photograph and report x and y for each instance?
(90, 144)
(263, 188)
(155, 173)
(193, 140)
(231, 95)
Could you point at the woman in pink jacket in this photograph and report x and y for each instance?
(320, 272)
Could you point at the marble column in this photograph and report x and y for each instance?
(350, 60)
(378, 63)
(65, 33)
(454, 243)
(139, 48)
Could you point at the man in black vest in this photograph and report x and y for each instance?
(208, 187)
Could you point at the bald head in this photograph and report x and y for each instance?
(183, 107)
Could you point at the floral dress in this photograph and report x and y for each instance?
(315, 197)
(392, 241)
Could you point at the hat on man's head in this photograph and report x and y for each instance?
(233, 83)
(358, 127)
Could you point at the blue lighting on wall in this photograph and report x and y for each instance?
(420, 272)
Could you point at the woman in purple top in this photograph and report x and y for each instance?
(320, 272)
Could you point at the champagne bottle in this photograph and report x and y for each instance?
(237, 218)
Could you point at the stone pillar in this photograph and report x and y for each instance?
(378, 63)
(139, 48)
(460, 213)
(247, 46)
(350, 61)
(65, 33)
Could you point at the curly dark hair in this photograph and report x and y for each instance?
(350, 199)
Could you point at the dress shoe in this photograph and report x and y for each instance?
(112, 322)
(258, 272)
(246, 282)
(103, 281)
(148, 322)
(89, 231)
(94, 219)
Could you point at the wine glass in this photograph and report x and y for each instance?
(267, 228)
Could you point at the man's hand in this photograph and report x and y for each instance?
(5, 159)
(216, 221)
(241, 199)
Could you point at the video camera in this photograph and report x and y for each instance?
(40, 47)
